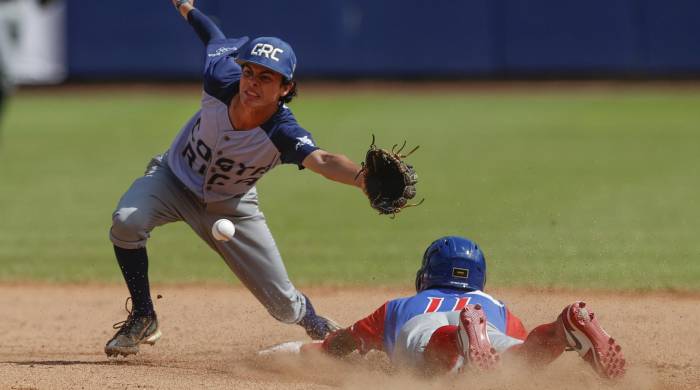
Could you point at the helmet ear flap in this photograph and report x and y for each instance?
(419, 280)
(424, 264)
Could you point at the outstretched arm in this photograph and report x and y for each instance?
(203, 26)
(336, 167)
(365, 335)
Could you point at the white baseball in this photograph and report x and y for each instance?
(223, 230)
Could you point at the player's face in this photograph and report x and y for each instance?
(261, 87)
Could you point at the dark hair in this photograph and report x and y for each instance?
(292, 93)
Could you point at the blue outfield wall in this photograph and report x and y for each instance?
(408, 38)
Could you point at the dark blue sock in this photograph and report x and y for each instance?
(134, 266)
(314, 325)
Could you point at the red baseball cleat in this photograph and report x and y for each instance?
(592, 342)
(474, 341)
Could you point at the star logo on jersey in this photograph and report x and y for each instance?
(305, 140)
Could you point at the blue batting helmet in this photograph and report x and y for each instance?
(452, 262)
(272, 53)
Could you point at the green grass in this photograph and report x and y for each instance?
(561, 189)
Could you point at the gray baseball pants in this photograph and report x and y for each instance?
(159, 198)
(416, 332)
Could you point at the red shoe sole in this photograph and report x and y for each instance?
(479, 354)
(592, 342)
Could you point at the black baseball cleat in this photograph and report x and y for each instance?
(133, 331)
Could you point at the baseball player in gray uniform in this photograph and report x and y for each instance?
(242, 131)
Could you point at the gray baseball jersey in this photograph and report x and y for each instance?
(214, 160)
(210, 172)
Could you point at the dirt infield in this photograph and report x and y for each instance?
(52, 337)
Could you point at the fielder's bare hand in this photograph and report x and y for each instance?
(184, 6)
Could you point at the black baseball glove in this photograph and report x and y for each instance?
(389, 181)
